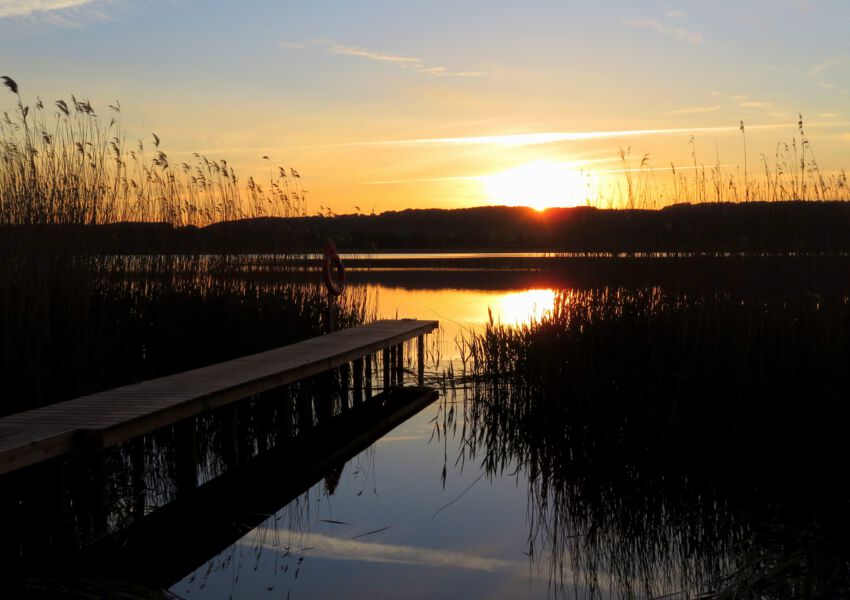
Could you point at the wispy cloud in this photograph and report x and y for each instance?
(818, 74)
(755, 104)
(29, 8)
(678, 33)
(816, 70)
(675, 14)
(551, 137)
(406, 62)
(379, 56)
(695, 110)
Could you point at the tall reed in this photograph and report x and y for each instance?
(71, 326)
(792, 173)
(678, 441)
(65, 164)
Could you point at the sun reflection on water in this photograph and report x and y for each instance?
(462, 311)
(521, 307)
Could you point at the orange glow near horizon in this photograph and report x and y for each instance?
(540, 185)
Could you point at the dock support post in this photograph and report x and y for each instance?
(305, 408)
(344, 383)
(386, 368)
(186, 455)
(285, 414)
(244, 441)
(137, 462)
(44, 523)
(399, 364)
(368, 377)
(229, 435)
(326, 395)
(357, 384)
(264, 409)
(420, 359)
(100, 493)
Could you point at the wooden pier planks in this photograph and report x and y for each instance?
(109, 417)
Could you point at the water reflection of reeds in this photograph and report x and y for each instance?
(675, 442)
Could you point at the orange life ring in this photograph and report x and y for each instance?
(332, 258)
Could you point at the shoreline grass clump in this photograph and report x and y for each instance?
(675, 441)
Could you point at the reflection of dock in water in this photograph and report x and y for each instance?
(169, 465)
(165, 546)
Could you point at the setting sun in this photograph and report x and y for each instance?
(539, 185)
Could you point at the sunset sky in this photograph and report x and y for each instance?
(385, 105)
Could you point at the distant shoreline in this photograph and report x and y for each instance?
(761, 227)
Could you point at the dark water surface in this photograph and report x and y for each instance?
(648, 427)
(490, 492)
(406, 517)
(391, 526)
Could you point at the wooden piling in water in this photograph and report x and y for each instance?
(344, 387)
(420, 359)
(229, 425)
(357, 381)
(139, 472)
(98, 510)
(185, 455)
(285, 413)
(244, 442)
(304, 408)
(399, 364)
(386, 361)
(368, 376)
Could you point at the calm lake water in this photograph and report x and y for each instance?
(628, 427)
(460, 502)
(405, 514)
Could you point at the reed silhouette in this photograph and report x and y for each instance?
(675, 441)
(74, 320)
(71, 326)
(70, 167)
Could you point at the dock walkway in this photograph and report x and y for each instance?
(106, 418)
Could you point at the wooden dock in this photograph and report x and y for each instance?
(107, 418)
